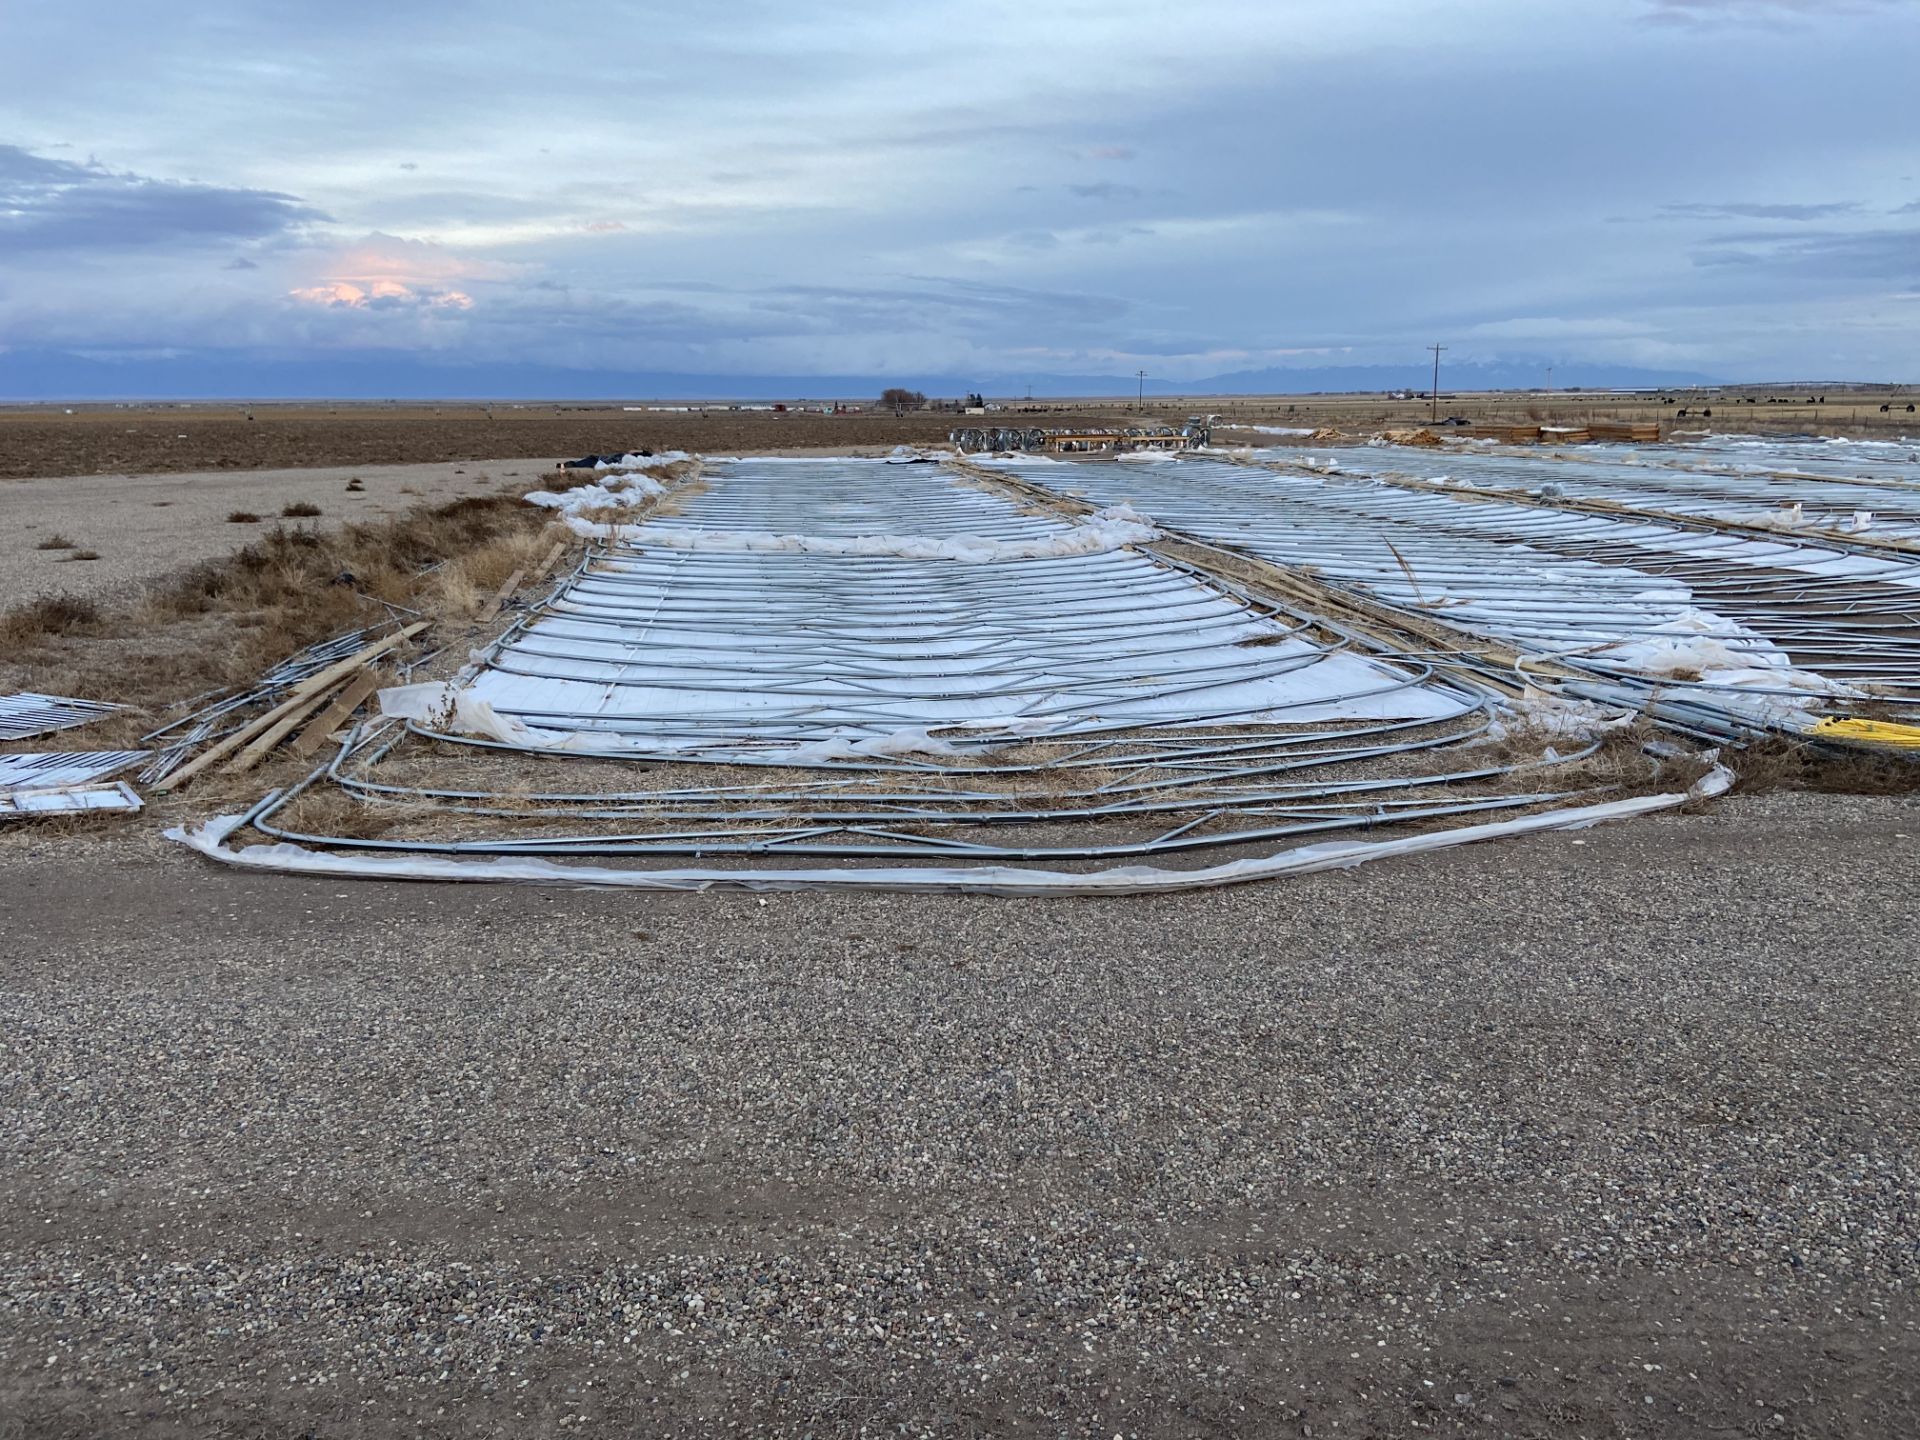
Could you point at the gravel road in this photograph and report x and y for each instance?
(1610, 1134)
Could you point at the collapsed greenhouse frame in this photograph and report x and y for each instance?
(790, 752)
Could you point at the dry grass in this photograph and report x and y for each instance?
(468, 582)
(223, 622)
(325, 810)
(299, 510)
(48, 617)
(242, 517)
(1782, 764)
(1620, 762)
(55, 542)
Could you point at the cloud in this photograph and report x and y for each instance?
(1825, 258)
(1105, 190)
(1553, 327)
(388, 273)
(1755, 211)
(380, 295)
(1762, 12)
(835, 192)
(240, 262)
(56, 205)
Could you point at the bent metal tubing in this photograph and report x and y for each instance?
(1166, 688)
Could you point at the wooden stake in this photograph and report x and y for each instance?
(337, 714)
(296, 705)
(540, 570)
(488, 610)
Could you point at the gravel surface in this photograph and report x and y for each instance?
(1609, 1134)
(150, 527)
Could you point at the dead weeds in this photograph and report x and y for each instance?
(1783, 764)
(49, 617)
(225, 621)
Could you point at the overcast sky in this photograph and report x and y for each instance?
(1064, 187)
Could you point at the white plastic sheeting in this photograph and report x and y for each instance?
(1758, 626)
(692, 636)
(25, 714)
(1114, 528)
(851, 699)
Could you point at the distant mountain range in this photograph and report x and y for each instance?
(50, 375)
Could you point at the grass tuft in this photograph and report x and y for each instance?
(1782, 764)
(299, 510)
(241, 517)
(49, 616)
(55, 542)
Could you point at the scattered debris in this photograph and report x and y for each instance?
(67, 800)
(222, 715)
(263, 733)
(25, 714)
(63, 781)
(1195, 434)
(607, 462)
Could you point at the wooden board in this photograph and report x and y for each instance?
(492, 607)
(289, 712)
(338, 713)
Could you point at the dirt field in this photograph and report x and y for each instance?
(43, 442)
(105, 439)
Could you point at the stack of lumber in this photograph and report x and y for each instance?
(1505, 434)
(1639, 432)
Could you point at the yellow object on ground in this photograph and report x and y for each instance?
(1869, 732)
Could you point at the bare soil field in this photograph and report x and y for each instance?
(38, 441)
(1758, 411)
(43, 442)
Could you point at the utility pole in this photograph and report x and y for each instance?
(1435, 412)
(1140, 402)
